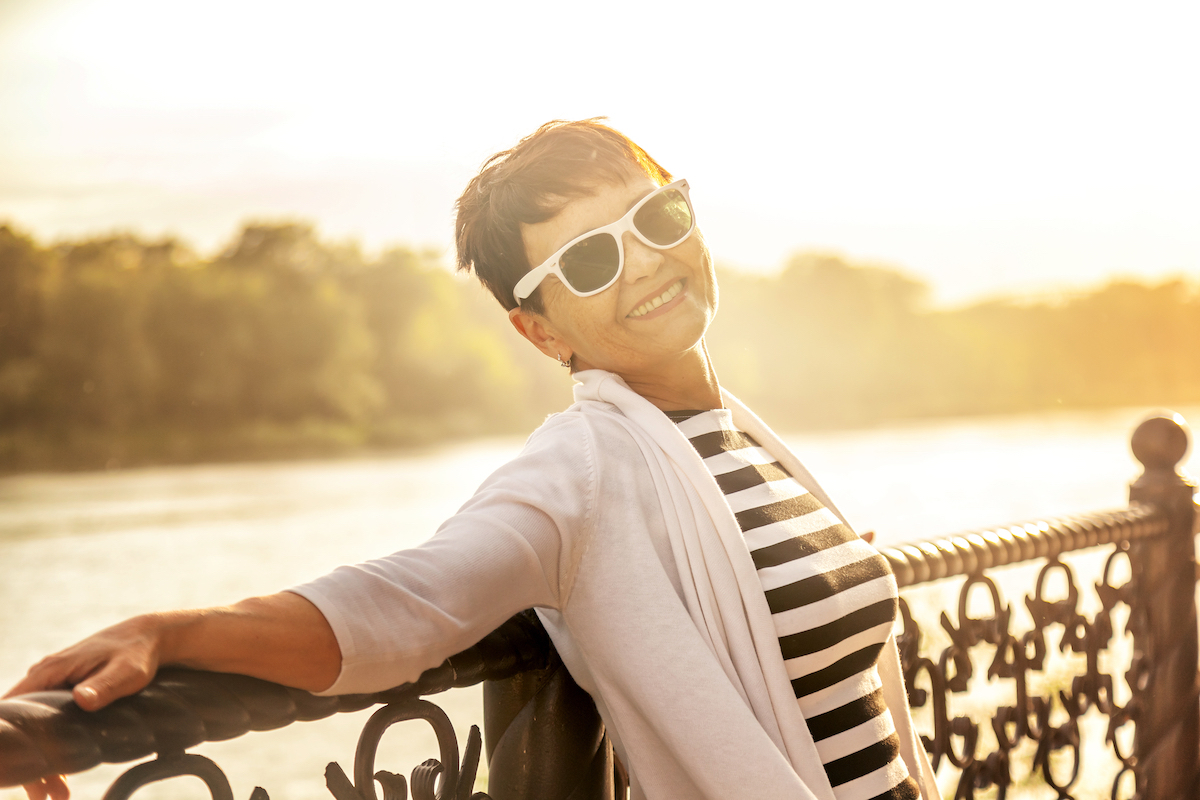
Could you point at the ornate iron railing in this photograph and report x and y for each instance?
(545, 740)
(936, 679)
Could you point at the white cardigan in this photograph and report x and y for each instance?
(610, 525)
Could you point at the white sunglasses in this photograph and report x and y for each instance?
(591, 263)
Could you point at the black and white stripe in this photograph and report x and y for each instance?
(833, 600)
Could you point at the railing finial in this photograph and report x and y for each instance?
(1161, 442)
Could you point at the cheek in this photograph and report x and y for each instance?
(585, 321)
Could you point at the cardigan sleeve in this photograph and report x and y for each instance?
(512, 546)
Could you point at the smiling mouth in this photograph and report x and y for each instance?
(665, 297)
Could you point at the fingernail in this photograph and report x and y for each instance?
(87, 693)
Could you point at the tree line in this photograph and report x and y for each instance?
(117, 350)
(828, 342)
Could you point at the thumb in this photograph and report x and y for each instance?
(86, 697)
(118, 678)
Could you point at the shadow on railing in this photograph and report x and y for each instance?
(545, 740)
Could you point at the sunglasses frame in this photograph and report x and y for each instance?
(532, 279)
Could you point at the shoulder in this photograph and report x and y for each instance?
(590, 443)
(595, 429)
(588, 420)
(564, 455)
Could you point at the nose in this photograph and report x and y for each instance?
(640, 261)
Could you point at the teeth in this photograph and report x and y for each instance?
(665, 297)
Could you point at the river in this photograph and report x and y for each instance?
(80, 551)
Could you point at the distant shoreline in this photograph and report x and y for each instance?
(95, 451)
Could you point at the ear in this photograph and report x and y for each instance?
(538, 330)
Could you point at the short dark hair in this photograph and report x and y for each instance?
(529, 184)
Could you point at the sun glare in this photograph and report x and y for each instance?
(966, 143)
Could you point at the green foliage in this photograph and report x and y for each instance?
(22, 273)
(828, 342)
(120, 349)
(115, 349)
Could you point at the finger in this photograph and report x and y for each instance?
(58, 671)
(56, 787)
(86, 697)
(118, 678)
(53, 787)
(18, 688)
(52, 672)
(41, 789)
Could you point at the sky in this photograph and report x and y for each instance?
(1012, 148)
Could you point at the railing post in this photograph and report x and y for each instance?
(545, 740)
(1167, 738)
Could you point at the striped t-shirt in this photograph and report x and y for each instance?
(833, 600)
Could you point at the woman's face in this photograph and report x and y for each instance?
(619, 329)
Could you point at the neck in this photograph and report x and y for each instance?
(685, 384)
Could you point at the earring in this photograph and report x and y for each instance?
(562, 363)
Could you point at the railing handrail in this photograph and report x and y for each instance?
(974, 551)
(46, 733)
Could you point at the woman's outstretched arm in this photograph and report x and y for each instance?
(281, 638)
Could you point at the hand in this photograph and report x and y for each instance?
(113, 663)
(281, 638)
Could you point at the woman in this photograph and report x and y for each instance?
(733, 631)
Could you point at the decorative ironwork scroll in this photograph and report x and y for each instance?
(1153, 735)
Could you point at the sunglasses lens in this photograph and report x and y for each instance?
(592, 263)
(665, 219)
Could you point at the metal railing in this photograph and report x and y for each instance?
(545, 740)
